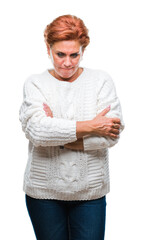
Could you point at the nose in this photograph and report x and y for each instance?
(67, 61)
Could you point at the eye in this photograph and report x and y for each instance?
(60, 54)
(74, 55)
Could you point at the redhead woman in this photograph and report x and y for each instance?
(71, 116)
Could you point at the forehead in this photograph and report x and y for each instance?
(68, 46)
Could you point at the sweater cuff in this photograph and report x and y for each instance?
(95, 142)
(87, 142)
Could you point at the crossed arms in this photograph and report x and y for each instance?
(42, 129)
(100, 126)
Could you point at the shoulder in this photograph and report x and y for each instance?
(34, 78)
(32, 81)
(101, 76)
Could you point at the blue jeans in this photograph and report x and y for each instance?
(67, 220)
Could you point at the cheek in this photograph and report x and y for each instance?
(76, 62)
(58, 61)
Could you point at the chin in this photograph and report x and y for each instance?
(67, 73)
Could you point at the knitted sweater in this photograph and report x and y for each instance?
(65, 174)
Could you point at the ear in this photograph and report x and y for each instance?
(83, 51)
(48, 49)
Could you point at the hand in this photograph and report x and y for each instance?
(47, 110)
(106, 127)
(77, 145)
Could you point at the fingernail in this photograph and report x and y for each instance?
(109, 106)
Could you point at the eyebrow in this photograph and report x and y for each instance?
(65, 54)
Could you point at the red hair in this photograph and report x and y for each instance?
(66, 27)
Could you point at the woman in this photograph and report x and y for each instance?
(71, 116)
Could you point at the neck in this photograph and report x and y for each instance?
(71, 79)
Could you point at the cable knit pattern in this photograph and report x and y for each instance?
(65, 174)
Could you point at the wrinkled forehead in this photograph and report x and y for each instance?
(67, 47)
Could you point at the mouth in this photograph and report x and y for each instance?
(67, 68)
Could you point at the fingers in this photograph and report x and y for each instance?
(116, 120)
(47, 110)
(46, 107)
(116, 126)
(114, 136)
(105, 111)
(114, 131)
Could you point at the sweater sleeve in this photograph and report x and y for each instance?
(38, 128)
(106, 96)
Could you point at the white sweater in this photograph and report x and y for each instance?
(64, 174)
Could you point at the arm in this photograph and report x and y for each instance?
(106, 127)
(101, 126)
(81, 129)
(98, 127)
(38, 128)
(107, 96)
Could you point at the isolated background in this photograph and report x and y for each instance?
(116, 29)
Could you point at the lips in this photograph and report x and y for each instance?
(67, 68)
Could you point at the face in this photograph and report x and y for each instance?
(66, 56)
